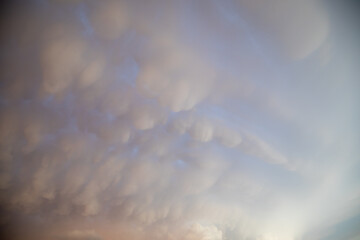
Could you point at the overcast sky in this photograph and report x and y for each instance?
(179, 120)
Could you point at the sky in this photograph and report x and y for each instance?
(179, 120)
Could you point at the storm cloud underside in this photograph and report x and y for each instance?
(191, 120)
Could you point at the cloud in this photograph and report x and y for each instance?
(297, 28)
(198, 231)
(80, 235)
(110, 19)
(179, 79)
(177, 120)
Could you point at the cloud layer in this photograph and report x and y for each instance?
(195, 120)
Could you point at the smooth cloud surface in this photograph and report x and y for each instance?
(191, 120)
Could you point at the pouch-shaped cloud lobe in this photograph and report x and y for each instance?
(195, 120)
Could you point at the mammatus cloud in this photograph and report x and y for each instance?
(206, 120)
(298, 28)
